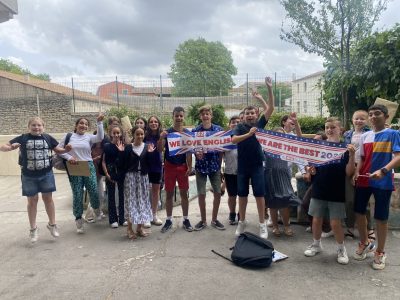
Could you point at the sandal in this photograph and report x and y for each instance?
(288, 231)
(276, 232)
(131, 234)
(371, 235)
(142, 233)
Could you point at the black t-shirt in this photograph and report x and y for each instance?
(329, 181)
(35, 153)
(250, 154)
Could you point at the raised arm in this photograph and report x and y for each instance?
(296, 123)
(270, 105)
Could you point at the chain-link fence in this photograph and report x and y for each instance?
(31, 96)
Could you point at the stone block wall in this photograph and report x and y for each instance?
(55, 110)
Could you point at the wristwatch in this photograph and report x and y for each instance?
(384, 171)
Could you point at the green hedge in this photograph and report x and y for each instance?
(308, 124)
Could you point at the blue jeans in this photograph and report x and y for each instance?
(31, 186)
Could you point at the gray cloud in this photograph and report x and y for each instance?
(100, 37)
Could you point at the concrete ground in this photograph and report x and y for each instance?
(104, 264)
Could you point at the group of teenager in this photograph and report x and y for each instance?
(136, 163)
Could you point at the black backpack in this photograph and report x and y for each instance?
(251, 251)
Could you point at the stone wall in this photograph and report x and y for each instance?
(55, 110)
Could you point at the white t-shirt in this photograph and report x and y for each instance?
(82, 144)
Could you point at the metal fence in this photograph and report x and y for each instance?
(301, 94)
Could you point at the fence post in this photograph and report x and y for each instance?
(37, 103)
(320, 105)
(116, 85)
(161, 96)
(247, 89)
(73, 92)
(279, 105)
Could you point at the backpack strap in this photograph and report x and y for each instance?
(22, 158)
(67, 138)
(219, 254)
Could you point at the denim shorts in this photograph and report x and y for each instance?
(257, 182)
(327, 209)
(201, 182)
(31, 186)
(382, 202)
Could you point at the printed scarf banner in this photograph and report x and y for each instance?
(206, 141)
(303, 151)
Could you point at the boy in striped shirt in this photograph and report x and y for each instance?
(380, 153)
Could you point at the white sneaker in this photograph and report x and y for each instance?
(147, 225)
(98, 215)
(263, 231)
(327, 234)
(125, 224)
(312, 250)
(157, 221)
(240, 228)
(79, 226)
(34, 234)
(379, 261)
(114, 225)
(342, 257)
(53, 230)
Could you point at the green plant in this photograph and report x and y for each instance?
(308, 124)
(121, 112)
(219, 116)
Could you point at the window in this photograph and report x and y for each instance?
(305, 86)
(124, 92)
(305, 107)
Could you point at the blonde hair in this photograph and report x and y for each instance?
(31, 120)
(205, 108)
(361, 111)
(334, 120)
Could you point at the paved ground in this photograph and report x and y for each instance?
(103, 264)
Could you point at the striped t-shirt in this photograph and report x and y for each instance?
(376, 151)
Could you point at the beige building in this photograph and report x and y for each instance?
(307, 96)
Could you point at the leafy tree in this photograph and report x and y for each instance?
(202, 68)
(218, 118)
(331, 28)
(376, 72)
(9, 66)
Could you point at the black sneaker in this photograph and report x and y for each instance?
(232, 219)
(167, 226)
(200, 226)
(187, 226)
(218, 225)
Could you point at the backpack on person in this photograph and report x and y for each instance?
(251, 251)
(58, 162)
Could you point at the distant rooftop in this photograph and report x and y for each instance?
(8, 8)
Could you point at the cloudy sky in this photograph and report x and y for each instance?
(139, 37)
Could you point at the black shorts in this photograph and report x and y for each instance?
(155, 177)
(231, 184)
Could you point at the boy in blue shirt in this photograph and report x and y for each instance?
(208, 164)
